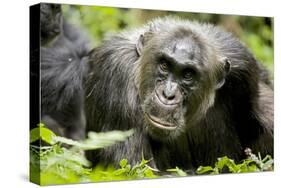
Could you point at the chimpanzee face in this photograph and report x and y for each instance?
(50, 22)
(177, 82)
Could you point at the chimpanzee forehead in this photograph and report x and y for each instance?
(187, 46)
(184, 49)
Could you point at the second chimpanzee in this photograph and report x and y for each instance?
(64, 50)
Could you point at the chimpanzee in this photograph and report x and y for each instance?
(63, 70)
(191, 91)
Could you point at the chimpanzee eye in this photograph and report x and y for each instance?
(164, 66)
(56, 8)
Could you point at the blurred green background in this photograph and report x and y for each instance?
(99, 22)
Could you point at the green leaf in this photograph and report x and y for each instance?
(149, 173)
(42, 133)
(268, 165)
(225, 161)
(181, 173)
(97, 140)
(204, 169)
(69, 141)
(64, 157)
(222, 162)
(119, 171)
(267, 157)
(178, 171)
(253, 168)
(123, 163)
(128, 167)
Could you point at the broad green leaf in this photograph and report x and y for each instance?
(97, 140)
(42, 133)
(222, 162)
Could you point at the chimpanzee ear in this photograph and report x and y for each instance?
(226, 69)
(140, 44)
(142, 41)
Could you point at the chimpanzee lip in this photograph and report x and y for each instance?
(159, 123)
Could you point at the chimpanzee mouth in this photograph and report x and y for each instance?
(159, 123)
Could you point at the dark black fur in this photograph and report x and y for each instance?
(63, 70)
(229, 110)
(50, 22)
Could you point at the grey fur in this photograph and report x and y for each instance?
(64, 67)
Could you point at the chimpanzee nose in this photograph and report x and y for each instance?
(169, 91)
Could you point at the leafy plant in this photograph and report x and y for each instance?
(251, 164)
(52, 163)
(125, 172)
(55, 164)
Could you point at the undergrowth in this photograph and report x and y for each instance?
(59, 160)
